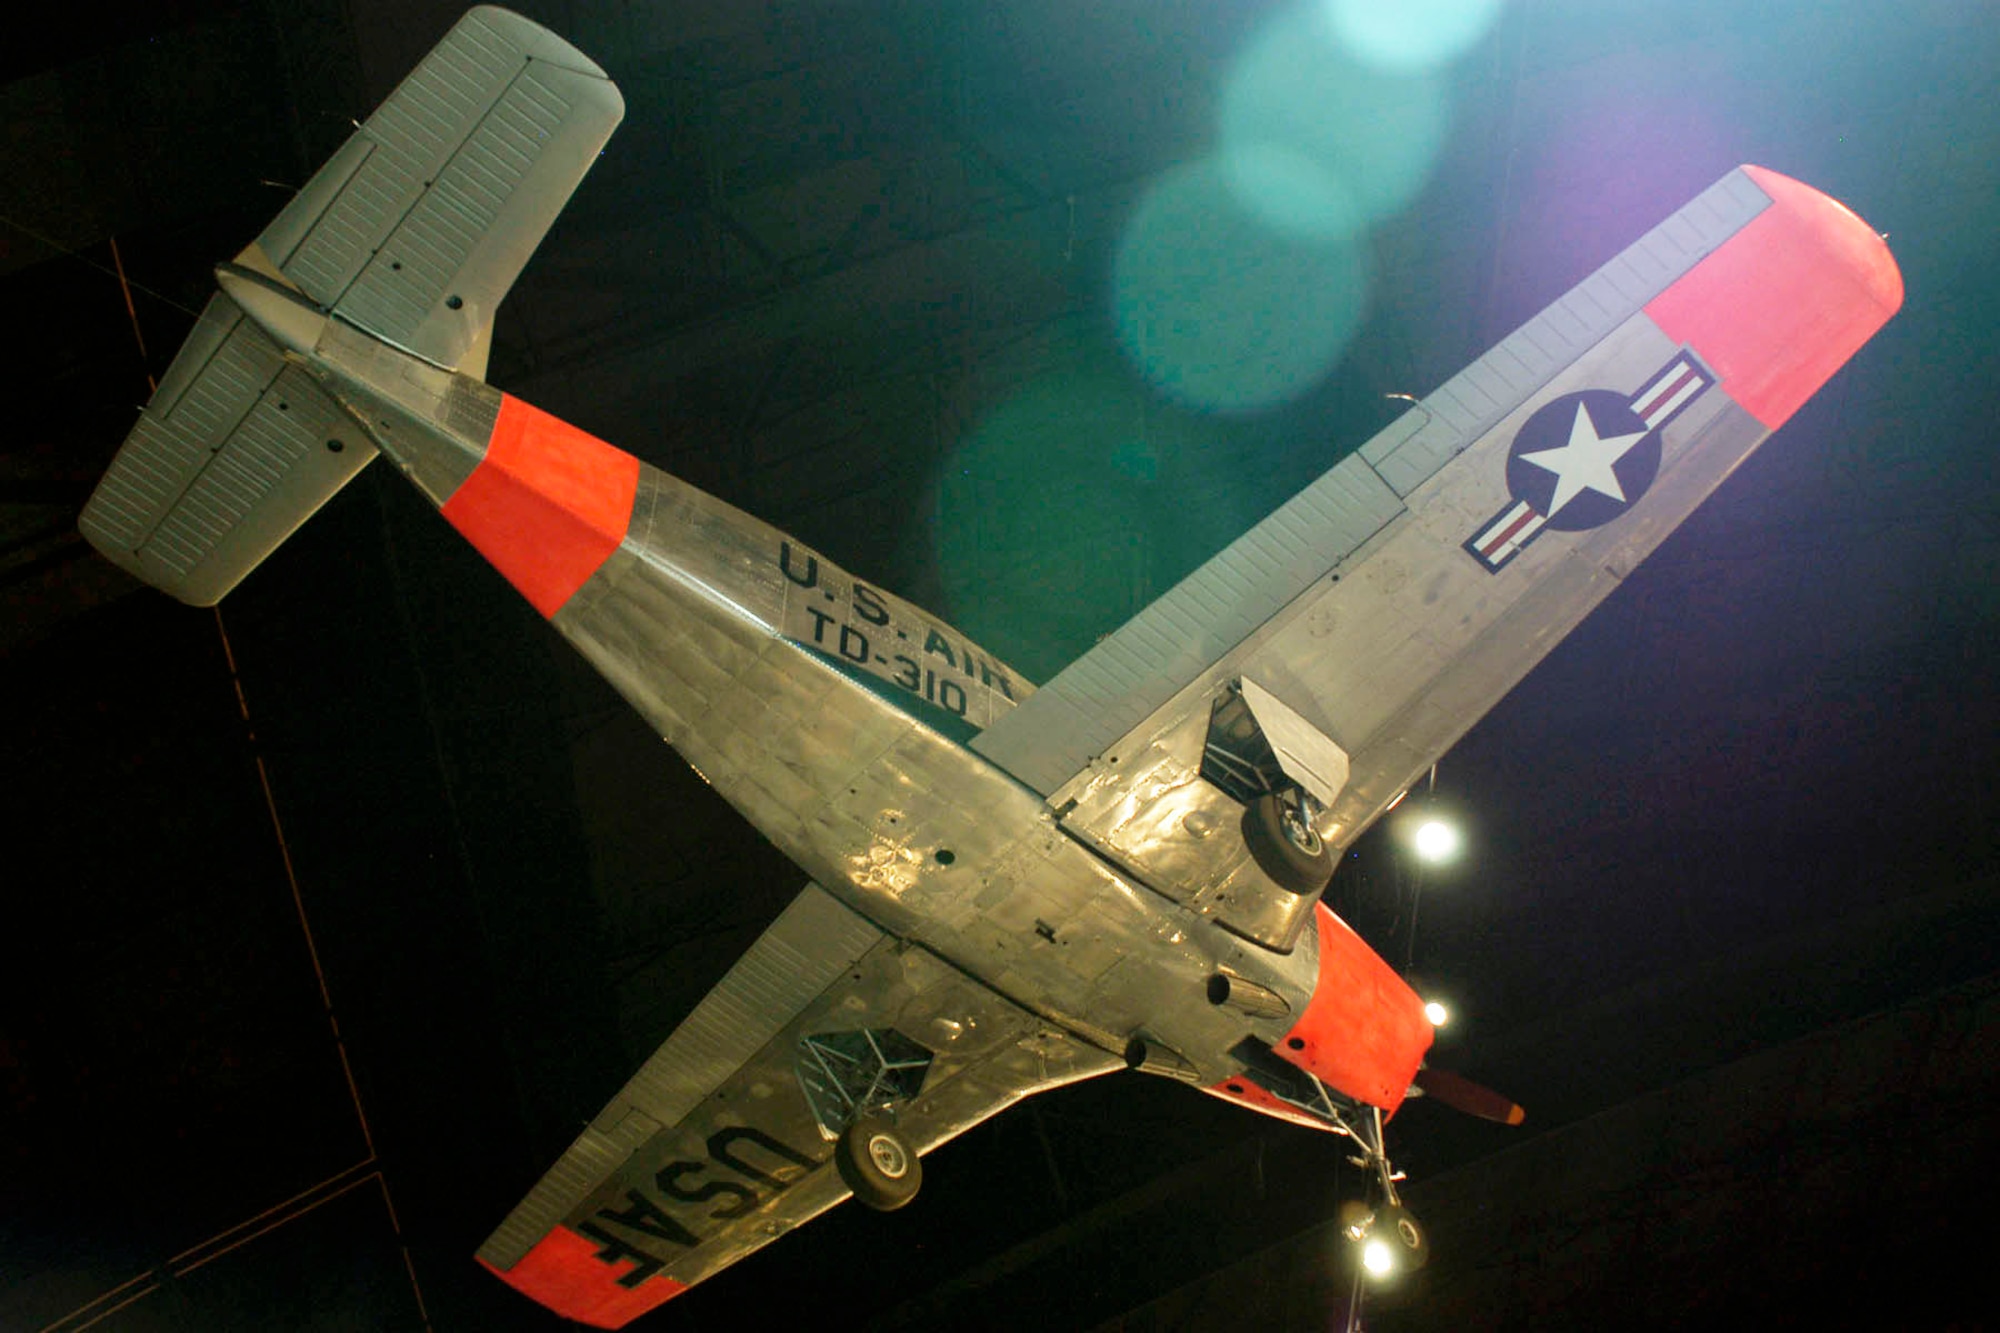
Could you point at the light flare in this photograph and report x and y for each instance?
(1436, 841)
(1223, 313)
(1410, 34)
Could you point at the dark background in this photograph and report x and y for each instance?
(1726, 922)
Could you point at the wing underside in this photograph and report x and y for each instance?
(722, 1142)
(1394, 601)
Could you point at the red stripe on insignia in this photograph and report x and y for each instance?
(1653, 404)
(548, 505)
(1527, 516)
(1782, 304)
(564, 1273)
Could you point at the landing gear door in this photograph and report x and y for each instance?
(1305, 754)
(1176, 809)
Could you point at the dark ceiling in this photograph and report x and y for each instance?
(333, 916)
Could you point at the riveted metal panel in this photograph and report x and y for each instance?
(421, 222)
(443, 423)
(1108, 690)
(806, 949)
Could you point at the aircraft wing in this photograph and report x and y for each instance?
(1392, 602)
(721, 1143)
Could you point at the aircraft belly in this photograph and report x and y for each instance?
(904, 824)
(819, 707)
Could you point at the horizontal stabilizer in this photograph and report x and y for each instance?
(418, 226)
(236, 449)
(412, 233)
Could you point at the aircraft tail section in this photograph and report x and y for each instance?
(421, 222)
(237, 448)
(412, 234)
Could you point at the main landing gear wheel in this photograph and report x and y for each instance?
(1285, 846)
(878, 1164)
(1394, 1224)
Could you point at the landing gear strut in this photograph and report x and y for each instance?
(1278, 830)
(854, 1081)
(1392, 1240)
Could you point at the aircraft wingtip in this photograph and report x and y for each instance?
(1784, 302)
(1843, 234)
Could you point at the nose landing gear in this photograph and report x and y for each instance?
(1391, 1239)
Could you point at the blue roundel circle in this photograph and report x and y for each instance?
(1583, 459)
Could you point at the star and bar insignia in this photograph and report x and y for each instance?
(1584, 458)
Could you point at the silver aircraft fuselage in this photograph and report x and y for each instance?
(831, 714)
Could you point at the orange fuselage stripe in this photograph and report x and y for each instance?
(548, 504)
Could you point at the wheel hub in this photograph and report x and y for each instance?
(1299, 833)
(888, 1156)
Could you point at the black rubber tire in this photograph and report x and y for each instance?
(878, 1164)
(1296, 869)
(1404, 1234)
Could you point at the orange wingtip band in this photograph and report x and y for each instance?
(1781, 305)
(564, 1273)
(548, 504)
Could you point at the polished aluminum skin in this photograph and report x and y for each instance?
(743, 649)
(1012, 888)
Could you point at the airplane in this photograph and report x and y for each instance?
(1009, 888)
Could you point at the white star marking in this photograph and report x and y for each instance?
(1585, 462)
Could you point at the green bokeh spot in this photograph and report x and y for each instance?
(1221, 311)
